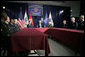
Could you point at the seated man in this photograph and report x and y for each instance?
(49, 24)
(81, 23)
(17, 27)
(73, 23)
(64, 25)
(11, 24)
(29, 25)
(40, 24)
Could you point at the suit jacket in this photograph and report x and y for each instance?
(64, 26)
(74, 25)
(49, 25)
(29, 26)
(81, 25)
(42, 24)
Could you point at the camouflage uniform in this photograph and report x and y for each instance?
(17, 27)
(5, 33)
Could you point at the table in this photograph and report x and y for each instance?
(68, 36)
(71, 37)
(29, 39)
(36, 38)
(42, 29)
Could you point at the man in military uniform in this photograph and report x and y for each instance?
(17, 27)
(14, 26)
(6, 27)
(5, 32)
(11, 24)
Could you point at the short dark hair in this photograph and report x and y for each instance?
(4, 16)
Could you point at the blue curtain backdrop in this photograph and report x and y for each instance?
(13, 10)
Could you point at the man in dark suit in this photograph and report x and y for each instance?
(29, 25)
(73, 23)
(81, 23)
(42, 22)
(49, 24)
(64, 25)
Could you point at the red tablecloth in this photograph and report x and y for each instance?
(71, 37)
(68, 36)
(29, 39)
(35, 38)
(42, 29)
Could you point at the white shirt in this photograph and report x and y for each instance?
(40, 25)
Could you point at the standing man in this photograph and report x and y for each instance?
(6, 32)
(3, 17)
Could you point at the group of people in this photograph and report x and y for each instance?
(74, 24)
(41, 24)
(8, 27)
